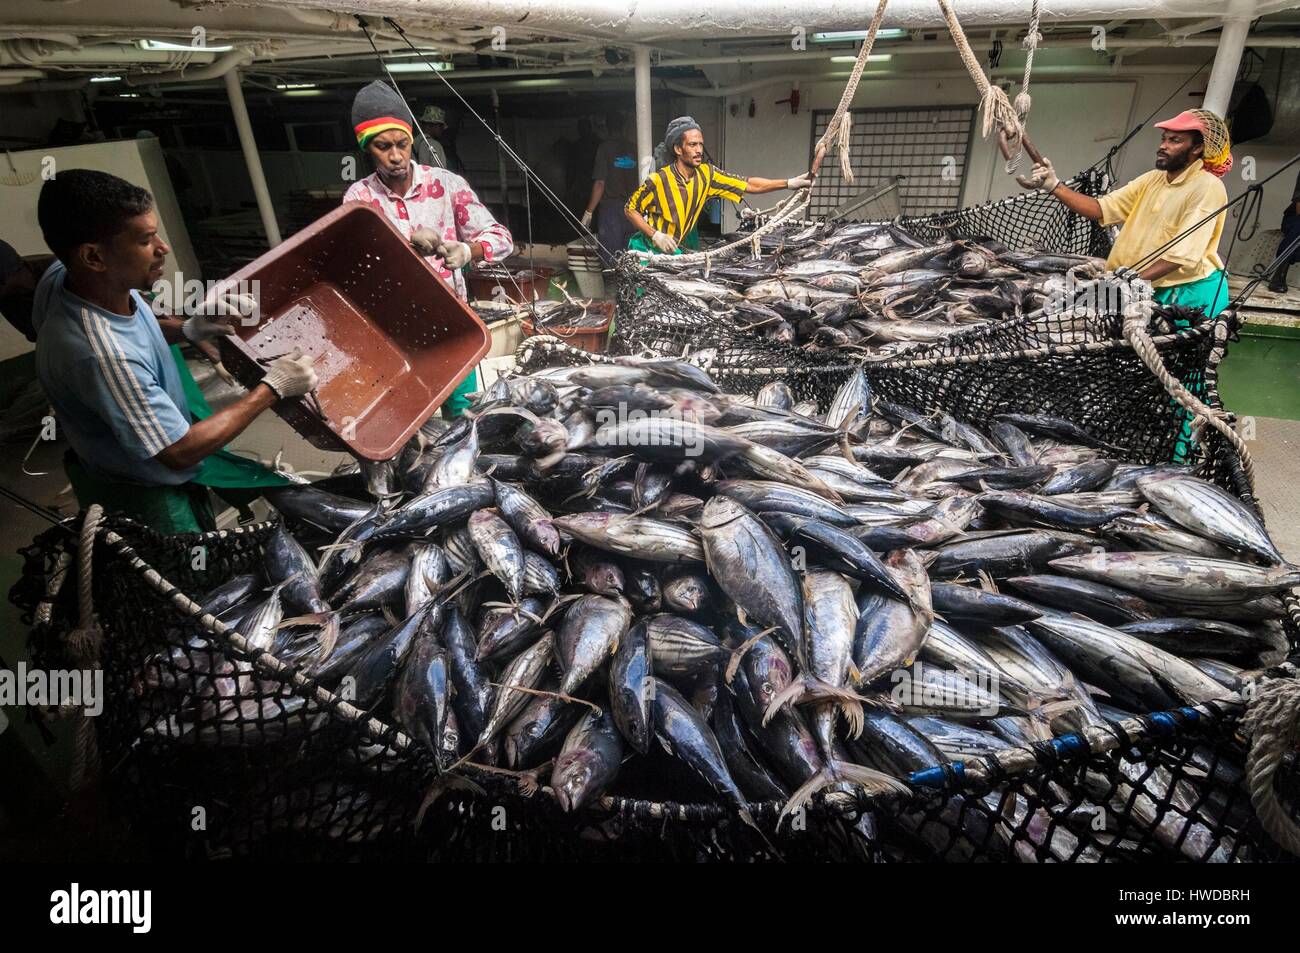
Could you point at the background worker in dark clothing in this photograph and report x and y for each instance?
(1290, 232)
(579, 154)
(17, 290)
(613, 180)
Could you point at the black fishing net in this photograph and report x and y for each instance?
(1065, 365)
(1068, 359)
(1032, 220)
(651, 319)
(258, 761)
(277, 768)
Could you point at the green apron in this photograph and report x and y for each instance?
(455, 404)
(185, 508)
(1211, 295)
(639, 242)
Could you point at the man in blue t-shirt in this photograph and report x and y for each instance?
(613, 180)
(103, 360)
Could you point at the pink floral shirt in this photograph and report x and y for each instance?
(441, 201)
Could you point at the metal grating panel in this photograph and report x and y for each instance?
(930, 147)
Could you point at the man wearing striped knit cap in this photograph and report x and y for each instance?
(435, 209)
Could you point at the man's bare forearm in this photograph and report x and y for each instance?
(597, 193)
(1157, 269)
(1085, 205)
(171, 329)
(636, 219)
(206, 437)
(759, 185)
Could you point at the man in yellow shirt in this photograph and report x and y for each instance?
(666, 206)
(1158, 206)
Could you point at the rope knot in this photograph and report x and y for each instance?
(1272, 720)
(998, 110)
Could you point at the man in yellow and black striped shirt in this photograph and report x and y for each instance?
(668, 203)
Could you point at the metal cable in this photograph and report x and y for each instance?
(564, 211)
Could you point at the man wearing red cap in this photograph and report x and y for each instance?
(1158, 206)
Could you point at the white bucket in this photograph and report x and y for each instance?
(585, 264)
(506, 336)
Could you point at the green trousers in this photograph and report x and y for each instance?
(1210, 294)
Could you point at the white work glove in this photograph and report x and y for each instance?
(802, 181)
(201, 326)
(425, 240)
(454, 254)
(586, 219)
(291, 375)
(665, 243)
(1043, 176)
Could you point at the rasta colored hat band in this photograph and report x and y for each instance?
(378, 108)
(1217, 157)
(373, 127)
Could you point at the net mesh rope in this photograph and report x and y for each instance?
(286, 778)
(281, 773)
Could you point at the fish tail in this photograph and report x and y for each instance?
(846, 700)
(733, 665)
(869, 779)
(441, 784)
(1045, 711)
(789, 695)
(804, 794)
(311, 618)
(464, 759)
(329, 637)
(542, 693)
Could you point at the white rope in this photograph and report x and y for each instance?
(1031, 41)
(837, 130)
(997, 109)
(1023, 100)
(1273, 722)
(1137, 317)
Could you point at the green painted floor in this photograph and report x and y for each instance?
(1261, 377)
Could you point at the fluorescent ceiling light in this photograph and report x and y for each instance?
(858, 35)
(105, 79)
(439, 66)
(871, 58)
(295, 85)
(128, 95)
(398, 56)
(304, 92)
(182, 47)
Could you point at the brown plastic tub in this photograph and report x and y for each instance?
(593, 338)
(390, 337)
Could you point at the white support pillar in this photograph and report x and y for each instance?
(1227, 58)
(251, 158)
(644, 135)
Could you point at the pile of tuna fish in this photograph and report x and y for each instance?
(868, 286)
(614, 562)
